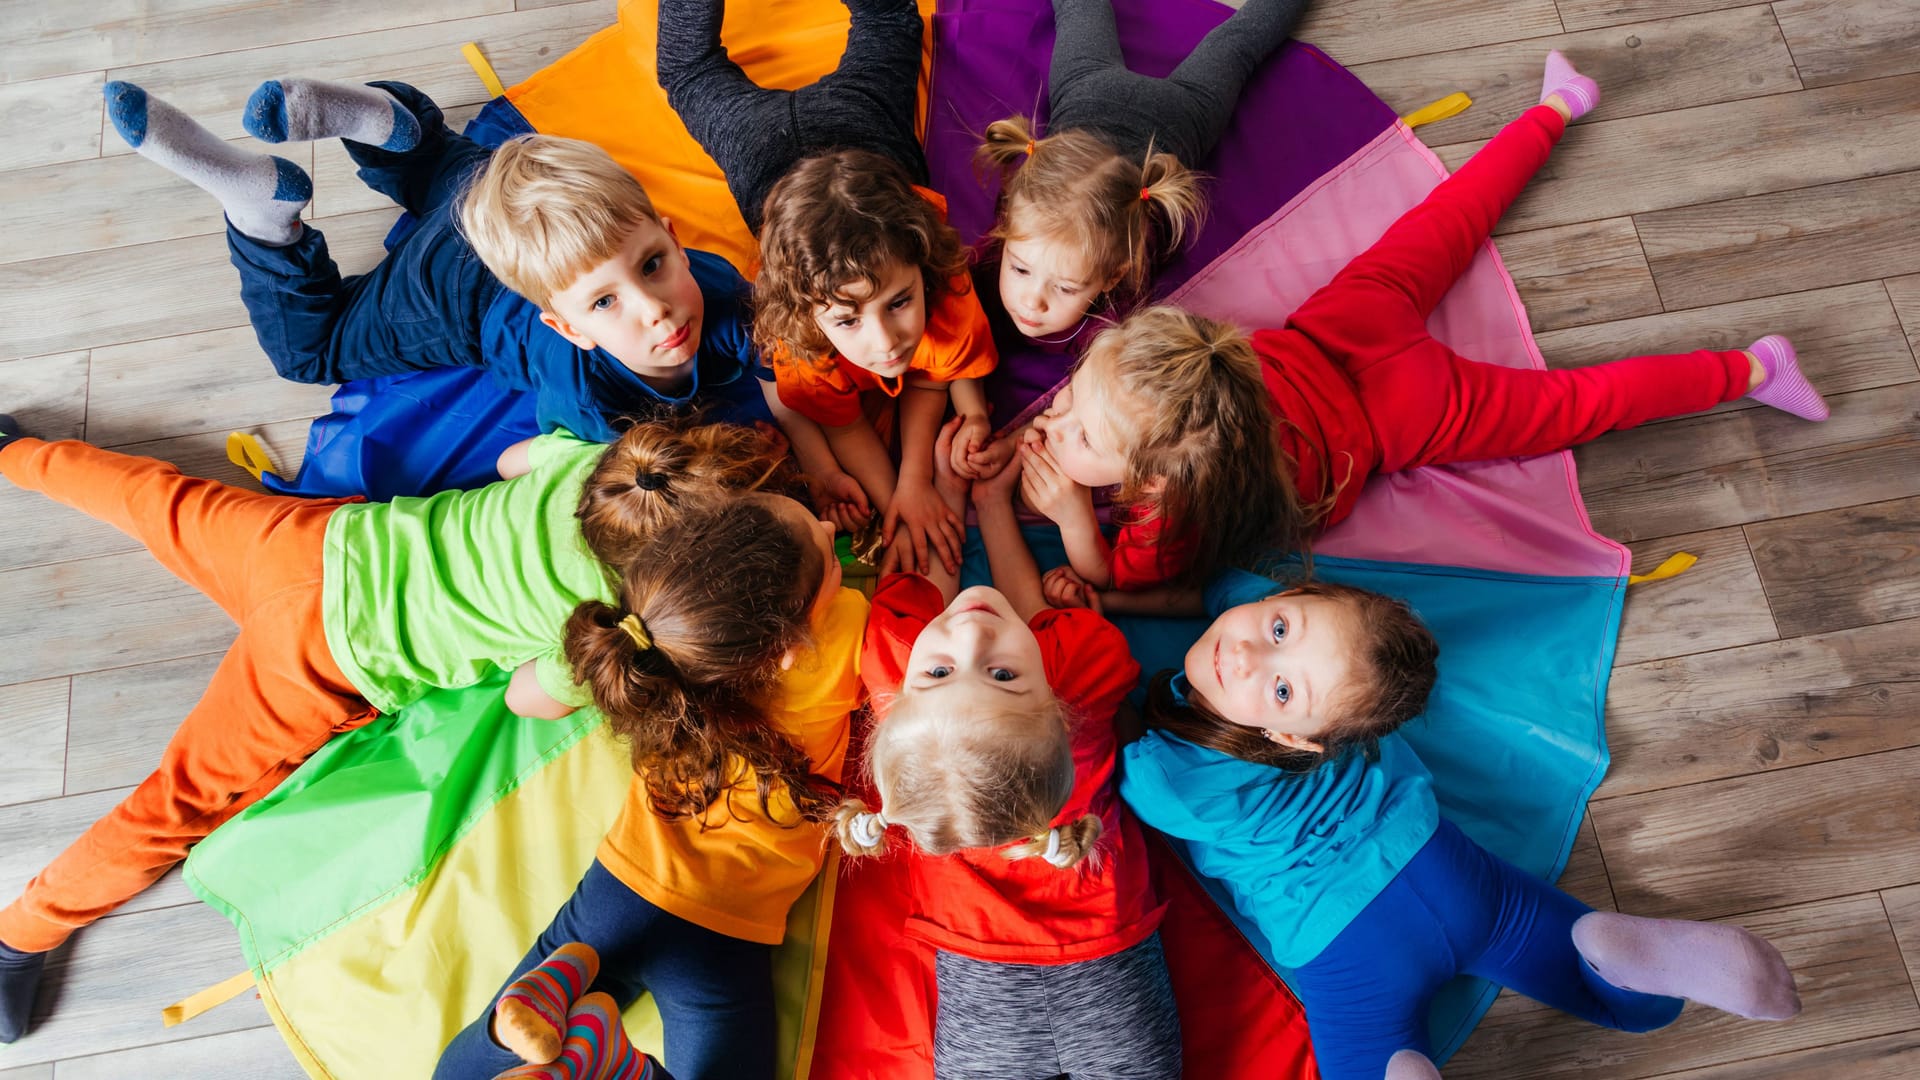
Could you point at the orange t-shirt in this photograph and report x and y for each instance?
(735, 870)
(958, 344)
(981, 904)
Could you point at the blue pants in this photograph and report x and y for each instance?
(714, 992)
(420, 308)
(1455, 909)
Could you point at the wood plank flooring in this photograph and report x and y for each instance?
(1754, 167)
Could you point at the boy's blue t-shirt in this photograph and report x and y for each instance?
(587, 392)
(1300, 853)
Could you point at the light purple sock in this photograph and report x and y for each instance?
(1722, 966)
(1579, 92)
(1785, 387)
(1411, 1065)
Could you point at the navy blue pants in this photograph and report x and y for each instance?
(1455, 909)
(714, 992)
(420, 308)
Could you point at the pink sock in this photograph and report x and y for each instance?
(1579, 92)
(1785, 387)
(1722, 966)
(1411, 1065)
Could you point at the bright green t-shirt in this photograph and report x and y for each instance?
(426, 593)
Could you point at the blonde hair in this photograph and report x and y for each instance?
(545, 210)
(1204, 453)
(1075, 187)
(840, 219)
(959, 779)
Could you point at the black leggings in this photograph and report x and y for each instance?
(1183, 114)
(756, 134)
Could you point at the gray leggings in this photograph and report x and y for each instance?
(755, 134)
(1110, 1017)
(1183, 114)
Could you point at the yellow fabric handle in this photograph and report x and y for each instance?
(1452, 105)
(1676, 563)
(246, 451)
(182, 1011)
(483, 69)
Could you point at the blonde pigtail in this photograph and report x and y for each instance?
(859, 830)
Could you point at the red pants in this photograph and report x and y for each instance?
(1421, 403)
(275, 699)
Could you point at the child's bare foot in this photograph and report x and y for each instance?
(1776, 379)
(530, 1018)
(1566, 91)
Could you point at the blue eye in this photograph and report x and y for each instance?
(1279, 631)
(603, 303)
(1001, 674)
(1282, 692)
(939, 671)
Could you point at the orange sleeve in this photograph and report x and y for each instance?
(959, 342)
(823, 395)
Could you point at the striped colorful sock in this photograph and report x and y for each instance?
(1785, 387)
(1579, 93)
(530, 1018)
(596, 1048)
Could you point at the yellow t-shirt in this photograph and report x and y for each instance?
(733, 870)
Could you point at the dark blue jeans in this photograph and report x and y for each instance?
(420, 308)
(1454, 909)
(715, 993)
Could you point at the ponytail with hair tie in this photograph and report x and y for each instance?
(1053, 854)
(867, 828)
(637, 630)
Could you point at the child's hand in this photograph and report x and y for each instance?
(1048, 491)
(997, 488)
(948, 480)
(1065, 589)
(988, 462)
(840, 500)
(974, 434)
(919, 525)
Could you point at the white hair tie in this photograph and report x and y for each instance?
(868, 828)
(1052, 854)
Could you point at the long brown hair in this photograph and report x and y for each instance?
(657, 471)
(1395, 662)
(1124, 215)
(1205, 456)
(839, 219)
(682, 665)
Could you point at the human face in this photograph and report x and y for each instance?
(1045, 285)
(878, 328)
(819, 533)
(1082, 427)
(977, 650)
(1277, 665)
(642, 306)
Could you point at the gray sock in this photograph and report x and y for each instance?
(302, 110)
(1711, 963)
(262, 195)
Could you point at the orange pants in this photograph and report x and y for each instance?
(274, 700)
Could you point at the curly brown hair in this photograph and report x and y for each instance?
(657, 471)
(722, 594)
(836, 220)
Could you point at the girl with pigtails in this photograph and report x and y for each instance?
(1092, 206)
(992, 753)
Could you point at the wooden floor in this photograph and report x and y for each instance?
(1753, 168)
